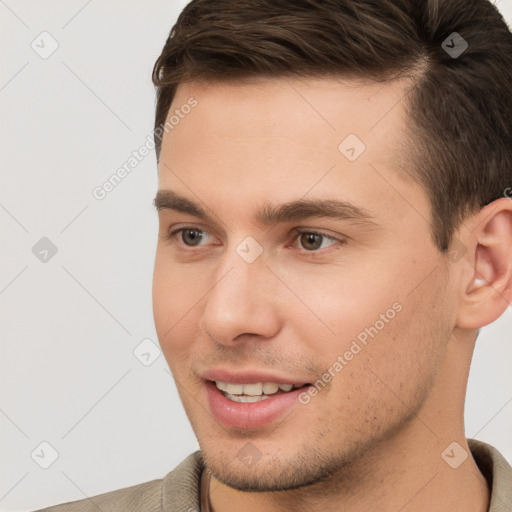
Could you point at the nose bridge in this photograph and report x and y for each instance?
(241, 271)
(231, 287)
(239, 302)
(238, 286)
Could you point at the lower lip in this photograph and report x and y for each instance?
(249, 415)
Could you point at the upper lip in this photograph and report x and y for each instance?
(248, 377)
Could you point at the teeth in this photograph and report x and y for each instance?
(253, 390)
(269, 388)
(233, 389)
(246, 398)
(223, 386)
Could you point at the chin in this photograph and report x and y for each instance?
(272, 472)
(267, 483)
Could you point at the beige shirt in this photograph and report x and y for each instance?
(179, 490)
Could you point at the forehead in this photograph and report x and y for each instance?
(286, 138)
(330, 104)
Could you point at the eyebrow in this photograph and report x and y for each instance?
(269, 214)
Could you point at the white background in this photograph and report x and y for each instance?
(68, 375)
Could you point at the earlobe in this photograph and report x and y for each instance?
(487, 292)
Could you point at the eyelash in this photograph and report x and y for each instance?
(299, 232)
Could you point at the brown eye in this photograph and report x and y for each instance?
(192, 237)
(311, 241)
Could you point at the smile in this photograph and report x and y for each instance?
(254, 392)
(250, 405)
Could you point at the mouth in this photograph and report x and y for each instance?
(252, 393)
(250, 401)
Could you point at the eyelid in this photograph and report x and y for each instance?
(168, 219)
(323, 232)
(173, 228)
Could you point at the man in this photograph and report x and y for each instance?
(335, 228)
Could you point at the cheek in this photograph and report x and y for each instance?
(333, 305)
(400, 362)
(177, 294)
(368, 326)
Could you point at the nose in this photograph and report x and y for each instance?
(242, 305)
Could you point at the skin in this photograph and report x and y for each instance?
(372, 437)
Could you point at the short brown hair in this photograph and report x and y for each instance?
(459, 135)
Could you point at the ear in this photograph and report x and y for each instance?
(486, 286)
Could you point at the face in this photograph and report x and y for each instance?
(291, 256)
